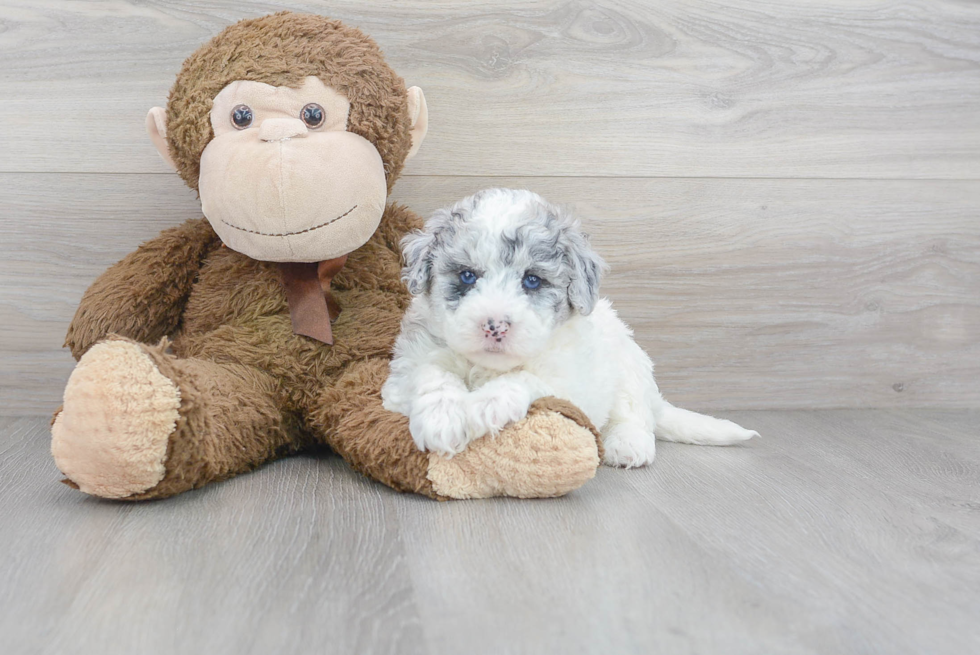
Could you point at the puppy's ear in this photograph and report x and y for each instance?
(417, 251)
(419, 247)
(586, 267)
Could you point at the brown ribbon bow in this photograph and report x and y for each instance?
(311, 306)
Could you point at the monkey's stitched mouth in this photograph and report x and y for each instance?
(289, 234)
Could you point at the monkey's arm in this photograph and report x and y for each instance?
(142, 297)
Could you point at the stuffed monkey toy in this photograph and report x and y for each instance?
(266, 327)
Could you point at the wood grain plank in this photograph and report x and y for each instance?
(822, 512)
(746, 88)
(600, 571)
(851, 531)
(748, 293)
(302, 556)
(807, 541)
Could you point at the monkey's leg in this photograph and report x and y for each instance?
(549, 453)
(139, 423)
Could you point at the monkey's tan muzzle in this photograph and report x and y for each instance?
(284, 193)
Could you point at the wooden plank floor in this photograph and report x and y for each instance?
(849, 531)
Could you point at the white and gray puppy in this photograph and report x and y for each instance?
(506, 310)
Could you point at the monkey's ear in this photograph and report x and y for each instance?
(156, 127)
(419, 113)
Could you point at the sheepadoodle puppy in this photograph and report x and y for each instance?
(506, 310)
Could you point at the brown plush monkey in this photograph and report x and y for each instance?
(198, 362)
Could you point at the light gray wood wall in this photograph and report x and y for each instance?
(789, 195)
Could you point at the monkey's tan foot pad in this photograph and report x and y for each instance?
(110, 439)
(553, 451)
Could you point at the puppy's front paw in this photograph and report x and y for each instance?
(438, 423)
(497, 404)
(628, 446)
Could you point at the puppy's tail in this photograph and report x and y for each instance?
(683, 426)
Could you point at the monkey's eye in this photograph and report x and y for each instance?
(312, 115)
(531, 281)
(467, 277)
(241, 116)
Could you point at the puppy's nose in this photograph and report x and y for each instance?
(280, 129)
(495, 329)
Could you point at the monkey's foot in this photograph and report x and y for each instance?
(119, 412)
(551, 452)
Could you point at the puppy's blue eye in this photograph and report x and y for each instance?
(467, 277)
(531, 281)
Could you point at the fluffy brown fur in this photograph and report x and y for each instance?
(251, 390)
